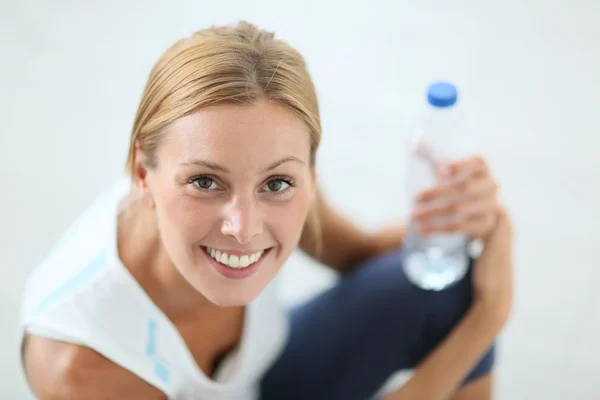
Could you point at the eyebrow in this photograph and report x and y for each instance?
(217, 167)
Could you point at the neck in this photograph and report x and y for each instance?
(144, 255)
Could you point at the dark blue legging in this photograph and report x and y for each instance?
(348, 341)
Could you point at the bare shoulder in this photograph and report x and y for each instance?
(58, 370)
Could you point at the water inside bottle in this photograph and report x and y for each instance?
(436, 261)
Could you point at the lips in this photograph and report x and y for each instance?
(230, 270)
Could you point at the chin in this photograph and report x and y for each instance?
(239, 294)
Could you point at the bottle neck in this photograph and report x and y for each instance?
(440, 127)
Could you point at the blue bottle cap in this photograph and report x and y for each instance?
(442, 94)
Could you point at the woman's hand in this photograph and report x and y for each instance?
(465, 200)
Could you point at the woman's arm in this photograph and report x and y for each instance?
(343, 244)
(60, 371)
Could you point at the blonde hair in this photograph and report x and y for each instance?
(225, 64)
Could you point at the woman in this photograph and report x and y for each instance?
(164, 288)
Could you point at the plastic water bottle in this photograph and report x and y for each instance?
(434, 261)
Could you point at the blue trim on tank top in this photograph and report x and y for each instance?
(75, 282)
(160, 369)
(72, 231)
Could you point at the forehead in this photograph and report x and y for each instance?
(251, 134)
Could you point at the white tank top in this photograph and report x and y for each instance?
(81, 293)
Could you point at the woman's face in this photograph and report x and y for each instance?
(232, 189)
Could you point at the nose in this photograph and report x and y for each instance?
(242, 219)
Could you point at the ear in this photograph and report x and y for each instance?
(140, 176)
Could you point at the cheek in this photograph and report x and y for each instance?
(184, 218)
(288, 222)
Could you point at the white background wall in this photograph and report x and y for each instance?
(71, 74)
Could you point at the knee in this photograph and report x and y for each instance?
(381, 280)
(442, 311)
(445, 308)
(380, 287)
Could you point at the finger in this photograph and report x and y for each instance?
(470, 208)
(476, 227)
(475, 165)
(463, 188)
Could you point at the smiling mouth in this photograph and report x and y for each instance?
(236, 261)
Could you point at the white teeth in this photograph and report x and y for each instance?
(234, 261)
